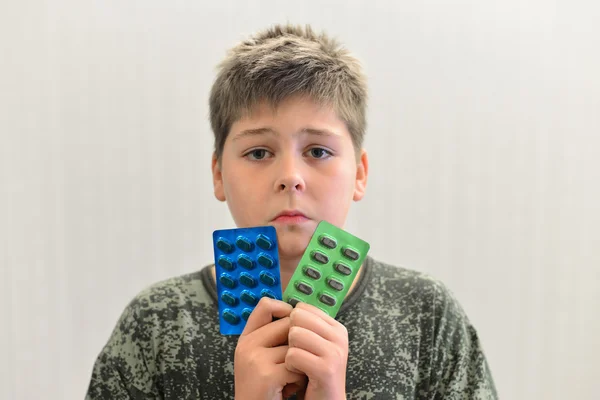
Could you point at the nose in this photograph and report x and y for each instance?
(290, 178)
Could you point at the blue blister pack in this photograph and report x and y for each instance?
(247, 268)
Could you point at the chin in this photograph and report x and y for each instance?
(292, 244)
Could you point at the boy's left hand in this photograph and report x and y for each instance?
(318, 347)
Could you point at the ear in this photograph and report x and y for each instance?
(362, 172)
(217, 178)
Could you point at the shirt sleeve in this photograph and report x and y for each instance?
(125, 367)
(460, 369)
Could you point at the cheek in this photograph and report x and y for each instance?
(339, 181)
(235, 179)
(336, 191)
(245, 202)
(233, 185)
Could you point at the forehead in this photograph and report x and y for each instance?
(294, 114)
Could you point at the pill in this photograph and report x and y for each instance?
(245, 261)
(293, 301)
(342, 268)
(335, 284)
(304, 288)
(265, 260)
(231, 317)
(229, 299)
(247, 269)
(267, 293)
(312, 273)
(267, 278)
(320, 257)
(247, 280)
(226, 263)
(327, 299)
(227, 281)
(224, 246)
(328, 242)
(248, 298)
(244, 244)
(350, 253)
(246, 313)
(264, 242)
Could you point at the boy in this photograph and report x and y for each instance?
(288, 113)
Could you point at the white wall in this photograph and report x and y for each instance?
(483, 136)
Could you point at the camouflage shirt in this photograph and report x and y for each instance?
(408, 339)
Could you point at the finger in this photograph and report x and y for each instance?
(318, 312)
(271, 335)
(264, 312)
(308, 320)
(307, 340)
(277, 354)
(301, 361)
(286, 377)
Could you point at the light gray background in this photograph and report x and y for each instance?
(483, 138)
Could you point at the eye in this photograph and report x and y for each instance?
(319, 153)
(257, 154)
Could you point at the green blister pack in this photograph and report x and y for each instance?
(327, 269)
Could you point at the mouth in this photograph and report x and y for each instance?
(290, 217)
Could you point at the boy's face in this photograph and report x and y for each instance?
(290, 167)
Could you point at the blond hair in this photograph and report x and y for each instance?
(285, 61)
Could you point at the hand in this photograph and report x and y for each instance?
(259, 361)
(318, 347)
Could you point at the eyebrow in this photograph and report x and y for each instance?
(269, 131)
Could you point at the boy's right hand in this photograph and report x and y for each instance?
(259, 362)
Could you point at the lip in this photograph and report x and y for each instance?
(290, 216)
